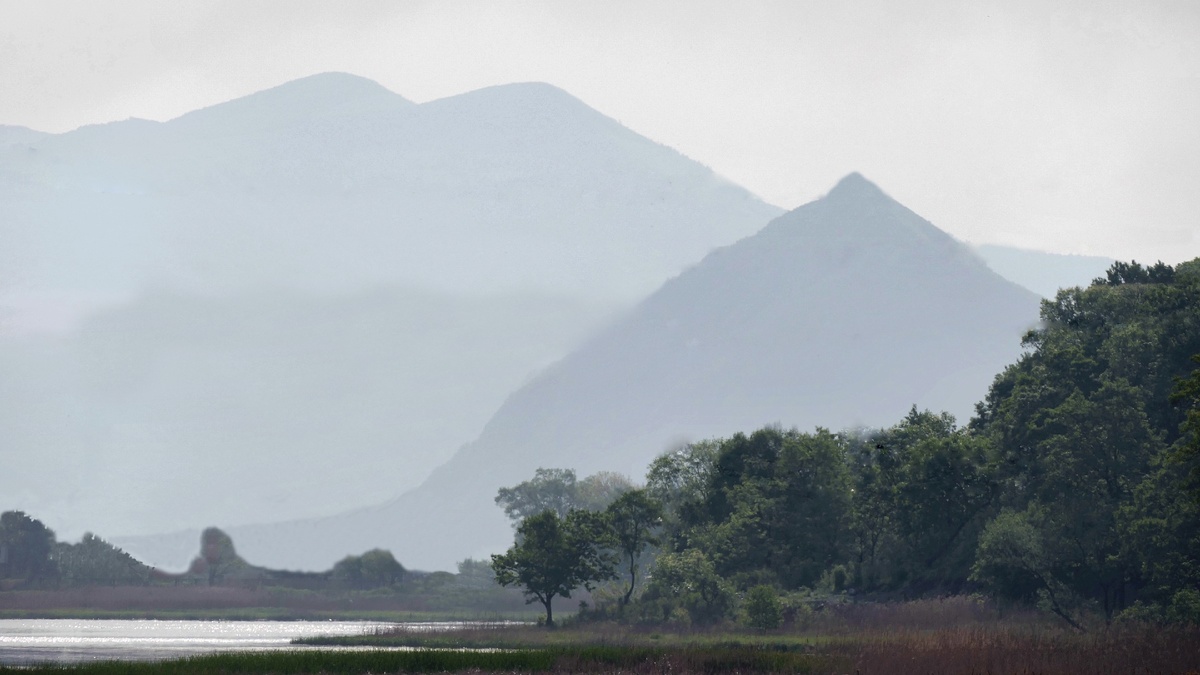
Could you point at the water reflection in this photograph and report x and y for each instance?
(28, 641)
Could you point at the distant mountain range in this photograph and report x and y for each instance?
(844, 312)
(1043, 273)
(301, 301)
(333, 183)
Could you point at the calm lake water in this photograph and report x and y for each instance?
(27, 641)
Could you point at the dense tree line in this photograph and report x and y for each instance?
(31, 557)
(1075, 487)
(374, 569)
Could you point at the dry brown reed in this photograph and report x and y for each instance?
(957, 611)
(994, 650)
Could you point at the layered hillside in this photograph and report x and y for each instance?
(301, 301)
(1043, 273)
(843, 312)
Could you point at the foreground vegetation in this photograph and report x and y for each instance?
(951, 635)
(950, 652)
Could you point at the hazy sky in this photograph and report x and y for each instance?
(1061, 125)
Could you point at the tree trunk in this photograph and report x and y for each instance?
(632, 581)
(549, 611)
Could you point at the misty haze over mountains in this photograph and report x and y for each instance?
(842, 313)
(1043, 273)
(322, 283)
(334, 183)
(300, 302)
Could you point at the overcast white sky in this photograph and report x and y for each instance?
(1060, 125)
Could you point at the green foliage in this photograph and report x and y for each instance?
(554, 556)
(218, 560)
(558, 490)
(373, 569)
(94, 561)
(763, 609)
(1185, 606)
(1133, 273)
(1160, 533)
(1011, 561)
(1067, 489)
(25, 546)
(599, 490)
(776, 502)
(1084, 430)
(680, 481)
(689, 580)
(839, 578)
(932, 484)
(632, 518)
(1186, 395)
(476, 573)
(549, 490)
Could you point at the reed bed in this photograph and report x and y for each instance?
(1128, 650)
(551, 660)
(924, 644)
(957, 651)
(926, 637)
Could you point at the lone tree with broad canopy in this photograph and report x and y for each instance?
(553, 556)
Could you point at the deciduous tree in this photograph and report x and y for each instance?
(554, 556)
(633, 517)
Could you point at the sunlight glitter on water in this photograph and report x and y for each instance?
(24, 641)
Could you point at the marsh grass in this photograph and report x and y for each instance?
(1143, 649)
(953, 635)
(924, 637)
(550, 660)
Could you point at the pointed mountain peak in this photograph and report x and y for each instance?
(856, 211)
(855, 187)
